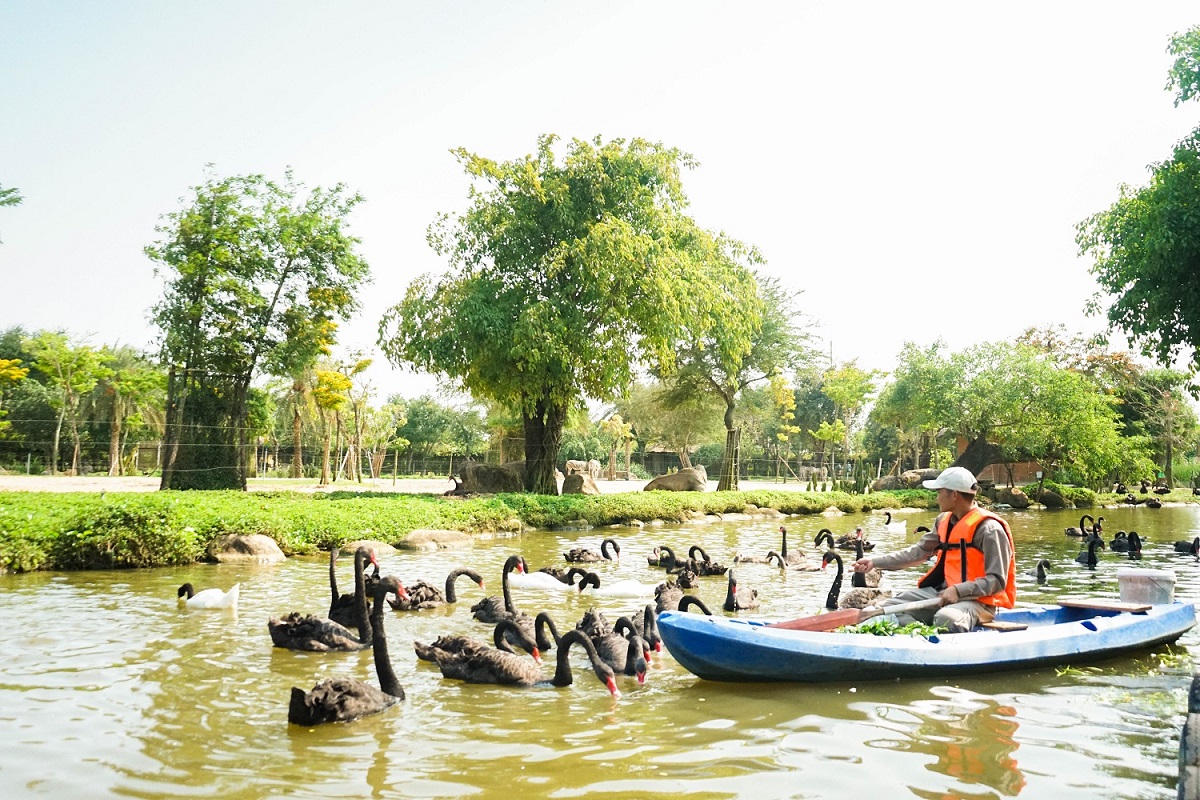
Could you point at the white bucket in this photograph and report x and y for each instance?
(1153, 586)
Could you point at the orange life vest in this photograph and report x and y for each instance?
(961, 560)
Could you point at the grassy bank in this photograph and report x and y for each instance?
(40, 530)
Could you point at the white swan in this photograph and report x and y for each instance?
(894, 527)
(627, 588)
(542, 581)
(209, 598)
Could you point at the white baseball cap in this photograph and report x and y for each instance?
(956, 479)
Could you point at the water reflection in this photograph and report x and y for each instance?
(111, 689)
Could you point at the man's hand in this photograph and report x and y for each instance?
(949, 595)
(863, 565)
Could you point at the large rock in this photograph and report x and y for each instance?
(1012, 496)
(433, 539)
(692, 479)
(492, 479)
(237, 548)
(576, 483)
(888, 482)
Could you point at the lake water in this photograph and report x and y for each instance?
(108, 688)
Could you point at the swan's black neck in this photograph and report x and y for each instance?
(388, 681)
(783, 545)
(451, 595)
(333, 587)
(360, 596)
(831, 599)
(509, 566)
(687, 601)
(604, 548)
(562, 671)
(540, 623)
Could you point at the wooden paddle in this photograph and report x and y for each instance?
(850, 616)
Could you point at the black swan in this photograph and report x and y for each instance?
(209, 598)
(1191, 548)
(1083, 529)
(850, 540)
(1119, 543)
(342, 607)
(345, 699)
(459, 643)
(493, 664)
(647, 628)
(1135, 546)
(744, 599)
(664, 557)
(859, 596)
(299, 631)
(667, 596)
(864, 580)
(703, 565)
(594, 623)
(562, 673)
(422, 595)
(823, 535)
(492, 609)
(1039, 571)
(831, 599)
(623, 649)
(688, 601)
(1088, 557)
(583, 555)
(1153, 502)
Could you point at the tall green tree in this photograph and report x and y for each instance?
(129, 395)
(726, 361)
(1146, 246)
(680, 426)
(567, 275)
(1007, 401)
(258, 274)
(73, 370)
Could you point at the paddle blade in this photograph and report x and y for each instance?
(821, 622)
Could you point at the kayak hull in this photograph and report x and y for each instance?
(726, 649)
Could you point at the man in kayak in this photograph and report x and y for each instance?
(975, 572)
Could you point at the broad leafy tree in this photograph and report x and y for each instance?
(1146, 246)
(128, 397)
(727, 361)
(679, 426)
(257, 275)
(1007, 401)
(568, 274)
(73, 370)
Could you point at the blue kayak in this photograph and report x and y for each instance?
(726, 649)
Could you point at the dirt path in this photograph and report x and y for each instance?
(98, 483)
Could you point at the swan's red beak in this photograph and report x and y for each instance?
(641, 676)
(658, 647)
(401, 592)
(374, 559)
(480, 583)
(537, 656)
(611, 683)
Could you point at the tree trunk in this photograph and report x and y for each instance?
(325, 451)
(543, 436)
(1168, 468)
(685, 461)
(628, 466)
(114, 445)
(57, 439)
(978, 455)
(297, 470)
(731, 465)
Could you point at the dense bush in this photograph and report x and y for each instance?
(82, 531)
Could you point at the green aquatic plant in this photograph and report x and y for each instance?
(885, 626)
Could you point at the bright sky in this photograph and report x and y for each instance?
(916, 169)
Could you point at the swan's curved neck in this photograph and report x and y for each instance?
(360, 598)
(388, 681)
